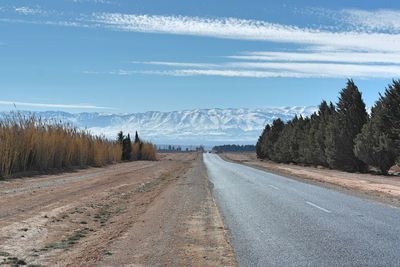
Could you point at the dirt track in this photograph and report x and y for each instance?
(137, 214)
(382, 188)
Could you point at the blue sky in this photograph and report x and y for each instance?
(134, 56)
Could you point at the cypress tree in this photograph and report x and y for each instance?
(266, 142)
(306, 141)
(120, 137)
(127, 148)
(379, 142)
(272, 137)
(325, 114)
(310, 146)
(137, 139)
(343, 127)
(261, 153)
(281, 148)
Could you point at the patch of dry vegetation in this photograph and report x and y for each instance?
(143, 151)
(28, 144)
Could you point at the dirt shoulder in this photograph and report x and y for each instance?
(382, 188)
(131, 214)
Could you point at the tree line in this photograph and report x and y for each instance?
(234, 148)
(342, 136)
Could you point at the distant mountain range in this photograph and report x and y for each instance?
(188, 127)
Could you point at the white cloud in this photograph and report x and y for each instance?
(176, 64)
(371, 48)
(233, 28)
(93, 1)
(365, 36)
(24, 10)
(321, 56)
(377, 20)
(324, 69)
(42, 105)
(229, 73)
(274, 69)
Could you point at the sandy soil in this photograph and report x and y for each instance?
(131, 214)
(385, 188)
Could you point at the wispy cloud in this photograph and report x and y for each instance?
(333, 70)
(364, 36)
(240, 29)
(93, 1)
(321, 56)
(368, 47)
(24, 10)
(47, 105)
(382, 20)
(325, 53)
(271, 70)
(177, 64)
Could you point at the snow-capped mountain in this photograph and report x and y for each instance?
(199, 126)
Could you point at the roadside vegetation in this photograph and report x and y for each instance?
(234, 148)
(138, 150)
(30, 145)
(342, 136)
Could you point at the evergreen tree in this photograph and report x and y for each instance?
(137, 140)
(281, 147)
(310, 147)
(325, 114)
(342, 129)
(272, 137)
(379, 142)
(261, 152)
(120, 137)
(127, 148)
(305, 141)
(266, 142)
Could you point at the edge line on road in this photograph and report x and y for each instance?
(318, 207)
(274, 187)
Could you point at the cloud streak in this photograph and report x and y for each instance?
(321, 56)
(43, 105)
(176, 64)
(368, 48)
(371, 31)
(24, 10)
(233, 28)
(273, 70)
(382, 20)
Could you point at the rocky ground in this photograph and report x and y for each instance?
(157, 213)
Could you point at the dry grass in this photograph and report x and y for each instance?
(143, 151)
(30, 144)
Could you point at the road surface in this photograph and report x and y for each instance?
(277, 221)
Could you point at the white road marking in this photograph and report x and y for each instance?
(318, 207)
(274, 187)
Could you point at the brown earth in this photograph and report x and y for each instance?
(131, 214)
(383, 188)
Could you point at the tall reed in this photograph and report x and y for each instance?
(144, 151)
(28, 144)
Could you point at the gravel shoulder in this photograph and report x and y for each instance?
(385, 189)
(131, 214)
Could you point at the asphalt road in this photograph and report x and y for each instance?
(278, 221)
